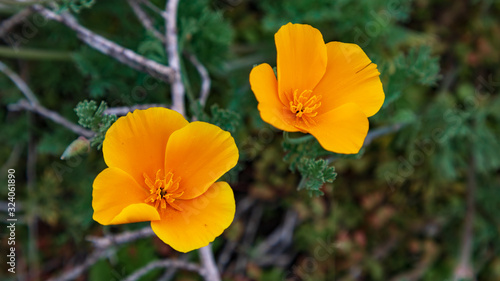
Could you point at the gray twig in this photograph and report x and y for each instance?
(248, 237)
(21, 85)
(14, 20)
(379, 132)
(172, 49)
(110, 48)
(145, 20)
(205, 78)
(76, 271)
(375, 134)
(178, 264)
(281, 236)
(110, 240)
(102, 245)
(210, 271)
(52, 115)
(242, 207)
(123, 110)
(152, 7)
(464, 268)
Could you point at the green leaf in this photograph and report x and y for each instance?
(92, 117)
(315, 173)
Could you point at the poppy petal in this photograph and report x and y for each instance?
(350, 77)
(117, 198)
(202, 219)
(341, 130)
(200, 153)
(265, 87)
(136, 143)
(301, 59)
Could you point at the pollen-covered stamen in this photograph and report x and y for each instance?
(304, 106)
(163, 190)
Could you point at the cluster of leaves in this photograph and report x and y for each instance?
(92, 117)
(76, 5)
(226, 119)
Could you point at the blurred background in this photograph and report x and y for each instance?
(419, 202)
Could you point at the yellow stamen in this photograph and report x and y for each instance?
(304, 106)
(163, 191)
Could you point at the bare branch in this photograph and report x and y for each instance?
(205, 78)
(52, 115)
(172, 49)
(23, 87)
(102, 246)
(76, 271)
(14, 20)
(110, 240)
(177, 264)
(145, 20)
(123, 110)
(464, 268)
(281, 236)
(250, 232)
(207, 261)
(110, 48)
(375, 134)
(379, 132)
(152, 7)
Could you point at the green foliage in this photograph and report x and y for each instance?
(204, 31)
(315, 173)
(303, 154)
(395, 205)
(92, 117)
(76, 5)
(226, 119)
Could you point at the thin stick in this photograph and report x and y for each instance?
(34, 54)
(76, 271)
(123, 110)
(14, 20)
(464, 268)
(207, 261)
(145, 20)
(102, 245)
(177, 264)
(34, 268)
(52, 115)
(172, 48)
(110, 48)
(21, 85)
(205, 78)
(110, 240)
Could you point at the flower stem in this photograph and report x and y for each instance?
(208, 263)
(299, 140)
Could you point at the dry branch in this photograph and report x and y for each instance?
(14, 20)
(172, 49)
(110, 48)
(123, 110)
(205, 78)
(21, 85)
(177, 264)
(110, 240)
(145, 20)
(76, 271)
(52, 115)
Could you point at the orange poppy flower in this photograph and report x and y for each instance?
(327, 90)
(163, 169)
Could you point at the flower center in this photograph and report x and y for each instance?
(304, 106)
(163, 190)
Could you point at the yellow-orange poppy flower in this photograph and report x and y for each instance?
(327, 90)
(163, 169)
